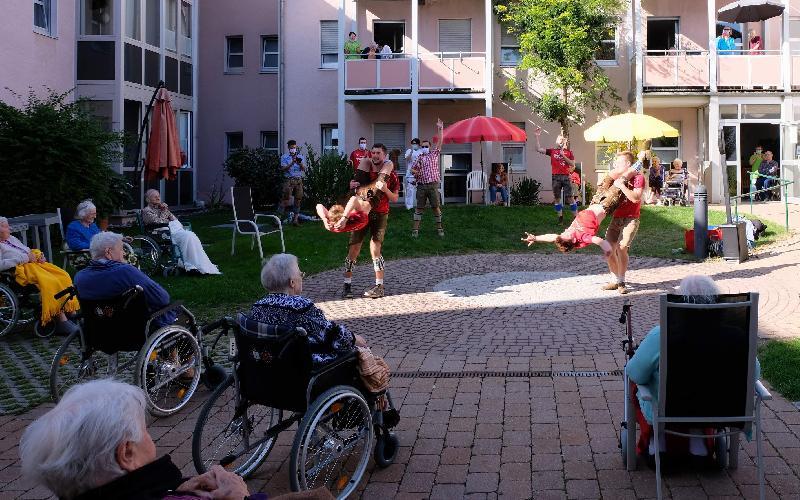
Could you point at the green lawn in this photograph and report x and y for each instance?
(468, 229)
(780, 365)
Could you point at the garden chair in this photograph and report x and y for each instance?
(707, 377)
(75, 258)
(245, 220)
(477, 181)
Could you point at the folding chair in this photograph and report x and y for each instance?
(245, 220)
(707, 375)
(477, 181)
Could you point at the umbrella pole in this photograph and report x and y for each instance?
(484, 187)
(145, 120)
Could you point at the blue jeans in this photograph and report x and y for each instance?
(493, 190)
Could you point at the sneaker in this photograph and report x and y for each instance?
(622, 289)
(375, 292)
(441, 232)
(347, 293)
(415, 233)
(610, 286)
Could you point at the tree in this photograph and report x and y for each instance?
(54, 154)
(259, 169)
(559, 40)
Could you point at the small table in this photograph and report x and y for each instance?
(37, 222)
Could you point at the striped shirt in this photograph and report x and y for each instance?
(428, 164)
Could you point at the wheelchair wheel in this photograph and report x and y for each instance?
(72, 365)
(168, 369)
(44, 331)
(333, 443)
(386, 446)
(221, 437)
(147, 254)
(9, 310)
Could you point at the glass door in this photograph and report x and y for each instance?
(730, 133)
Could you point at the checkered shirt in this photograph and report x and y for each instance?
(428, 165)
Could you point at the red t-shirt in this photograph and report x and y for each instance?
(557, 164)
(357, 155)
(586, 226)
(575, 178)
(356, 221)
(394, 186)
(628, 208)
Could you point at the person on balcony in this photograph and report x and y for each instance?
(386, 52)
(352, 48)
(726, 45)
(756, 44)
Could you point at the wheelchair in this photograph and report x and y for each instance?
(154, 249)
(21, 305)
(340, 423)
(119, 334)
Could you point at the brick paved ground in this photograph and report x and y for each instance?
(541, 437)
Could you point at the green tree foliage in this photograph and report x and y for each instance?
(559, 40)
(525, 192)
(259, 169)
(328, 177)
(54, 154)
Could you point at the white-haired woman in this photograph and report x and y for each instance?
(95, 445)
(81, 230)
(194, 256)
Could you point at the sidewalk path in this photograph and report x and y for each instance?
(506, 376)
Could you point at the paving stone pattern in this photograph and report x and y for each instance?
(502, 436)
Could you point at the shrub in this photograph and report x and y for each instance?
(259, 169)
(525, 192)
(54, 154)
(590, 190)
(327, 179)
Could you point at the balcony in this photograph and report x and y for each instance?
(432, 73)
(746, 72)
(676, 69)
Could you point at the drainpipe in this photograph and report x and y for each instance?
(281, 73)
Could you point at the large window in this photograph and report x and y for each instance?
(269, 141)
(234, 54)
(330, 137)
(269, 53)
(153, 22)
(509, 47)
(133, 19)
(329, 43)
(186, 28)
(102, 111)
(455, 36)
(667, 148)
(794, 35)
(234, 141)
(97, 17)
(44, 17)
(185, 135)
(604, 153)
(171, 28)
(514, 153)
(607, 55)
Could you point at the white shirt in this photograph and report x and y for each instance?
(386, 52)
(411, 159)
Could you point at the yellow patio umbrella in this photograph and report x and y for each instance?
(628, 127)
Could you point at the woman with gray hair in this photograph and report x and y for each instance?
(95, 445)
(157, 214)
(82, 229)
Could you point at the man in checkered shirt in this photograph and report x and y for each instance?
(428, 175)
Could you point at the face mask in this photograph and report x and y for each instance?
(425, 150)
(362, 145)
(293, 150)
(415, 147)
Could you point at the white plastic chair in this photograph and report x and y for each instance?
(477, 181)
(241, 199)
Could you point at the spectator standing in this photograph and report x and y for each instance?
(575, 181)
(358, 154)
(293, 166)
(429, 176)
(755, 162)
(561, 159)
(498, 183)
(412, 154)
(656, 179)
(768, 167)
(352, 49)
(726, 45)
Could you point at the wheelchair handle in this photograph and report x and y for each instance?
(71, 291)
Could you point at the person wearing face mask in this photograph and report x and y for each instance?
(293, 166)
(358, 154)
(412, 154)
(428, 175)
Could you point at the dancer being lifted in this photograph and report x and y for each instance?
(355, 214)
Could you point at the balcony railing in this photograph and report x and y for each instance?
(676, 68)
(748, 71)
(437, 72)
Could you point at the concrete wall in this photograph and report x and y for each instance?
(244, 102)
(30, 60)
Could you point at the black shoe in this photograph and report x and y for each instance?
(347, 293)
(375, 292)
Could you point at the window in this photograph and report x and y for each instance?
(794, 34)
(186, 78)
(133, 19)
(509, 47)
(329, 43)
(269, 53)
(234, 54)
(97, 17)
(667, 148)
(455, 35)
(234, 141)
(604, 153)
(662, 34)
(171, 74)
(186, 29)
(393, 136)
(43, 17)
(607, 54)
(330, 137)
(95, 60)
(514, 153)
(102, 111)
(133, 63)
(152, 68)
(153, 22)
(171, 28)
(269, 141)
(185, 135)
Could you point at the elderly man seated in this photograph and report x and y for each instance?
(108, 276)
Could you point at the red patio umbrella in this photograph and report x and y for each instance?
(483, 128)
(163, 157)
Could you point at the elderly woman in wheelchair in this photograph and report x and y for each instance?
(289, 358)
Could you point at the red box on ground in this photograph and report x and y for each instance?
(714, 233)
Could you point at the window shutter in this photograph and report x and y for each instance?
(329, 37)
(393, 136)
(455, 35)
(508, 39)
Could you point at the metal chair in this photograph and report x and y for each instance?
(245, 220)
(477, 181)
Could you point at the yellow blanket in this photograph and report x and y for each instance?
(50, 280)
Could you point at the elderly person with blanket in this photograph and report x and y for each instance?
(31, 268)
(157, 214)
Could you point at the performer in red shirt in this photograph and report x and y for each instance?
(358, 154)
(561, 159)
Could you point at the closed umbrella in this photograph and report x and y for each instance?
(163, 157)
(480, 129)
(629, 127)
(747, 11)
